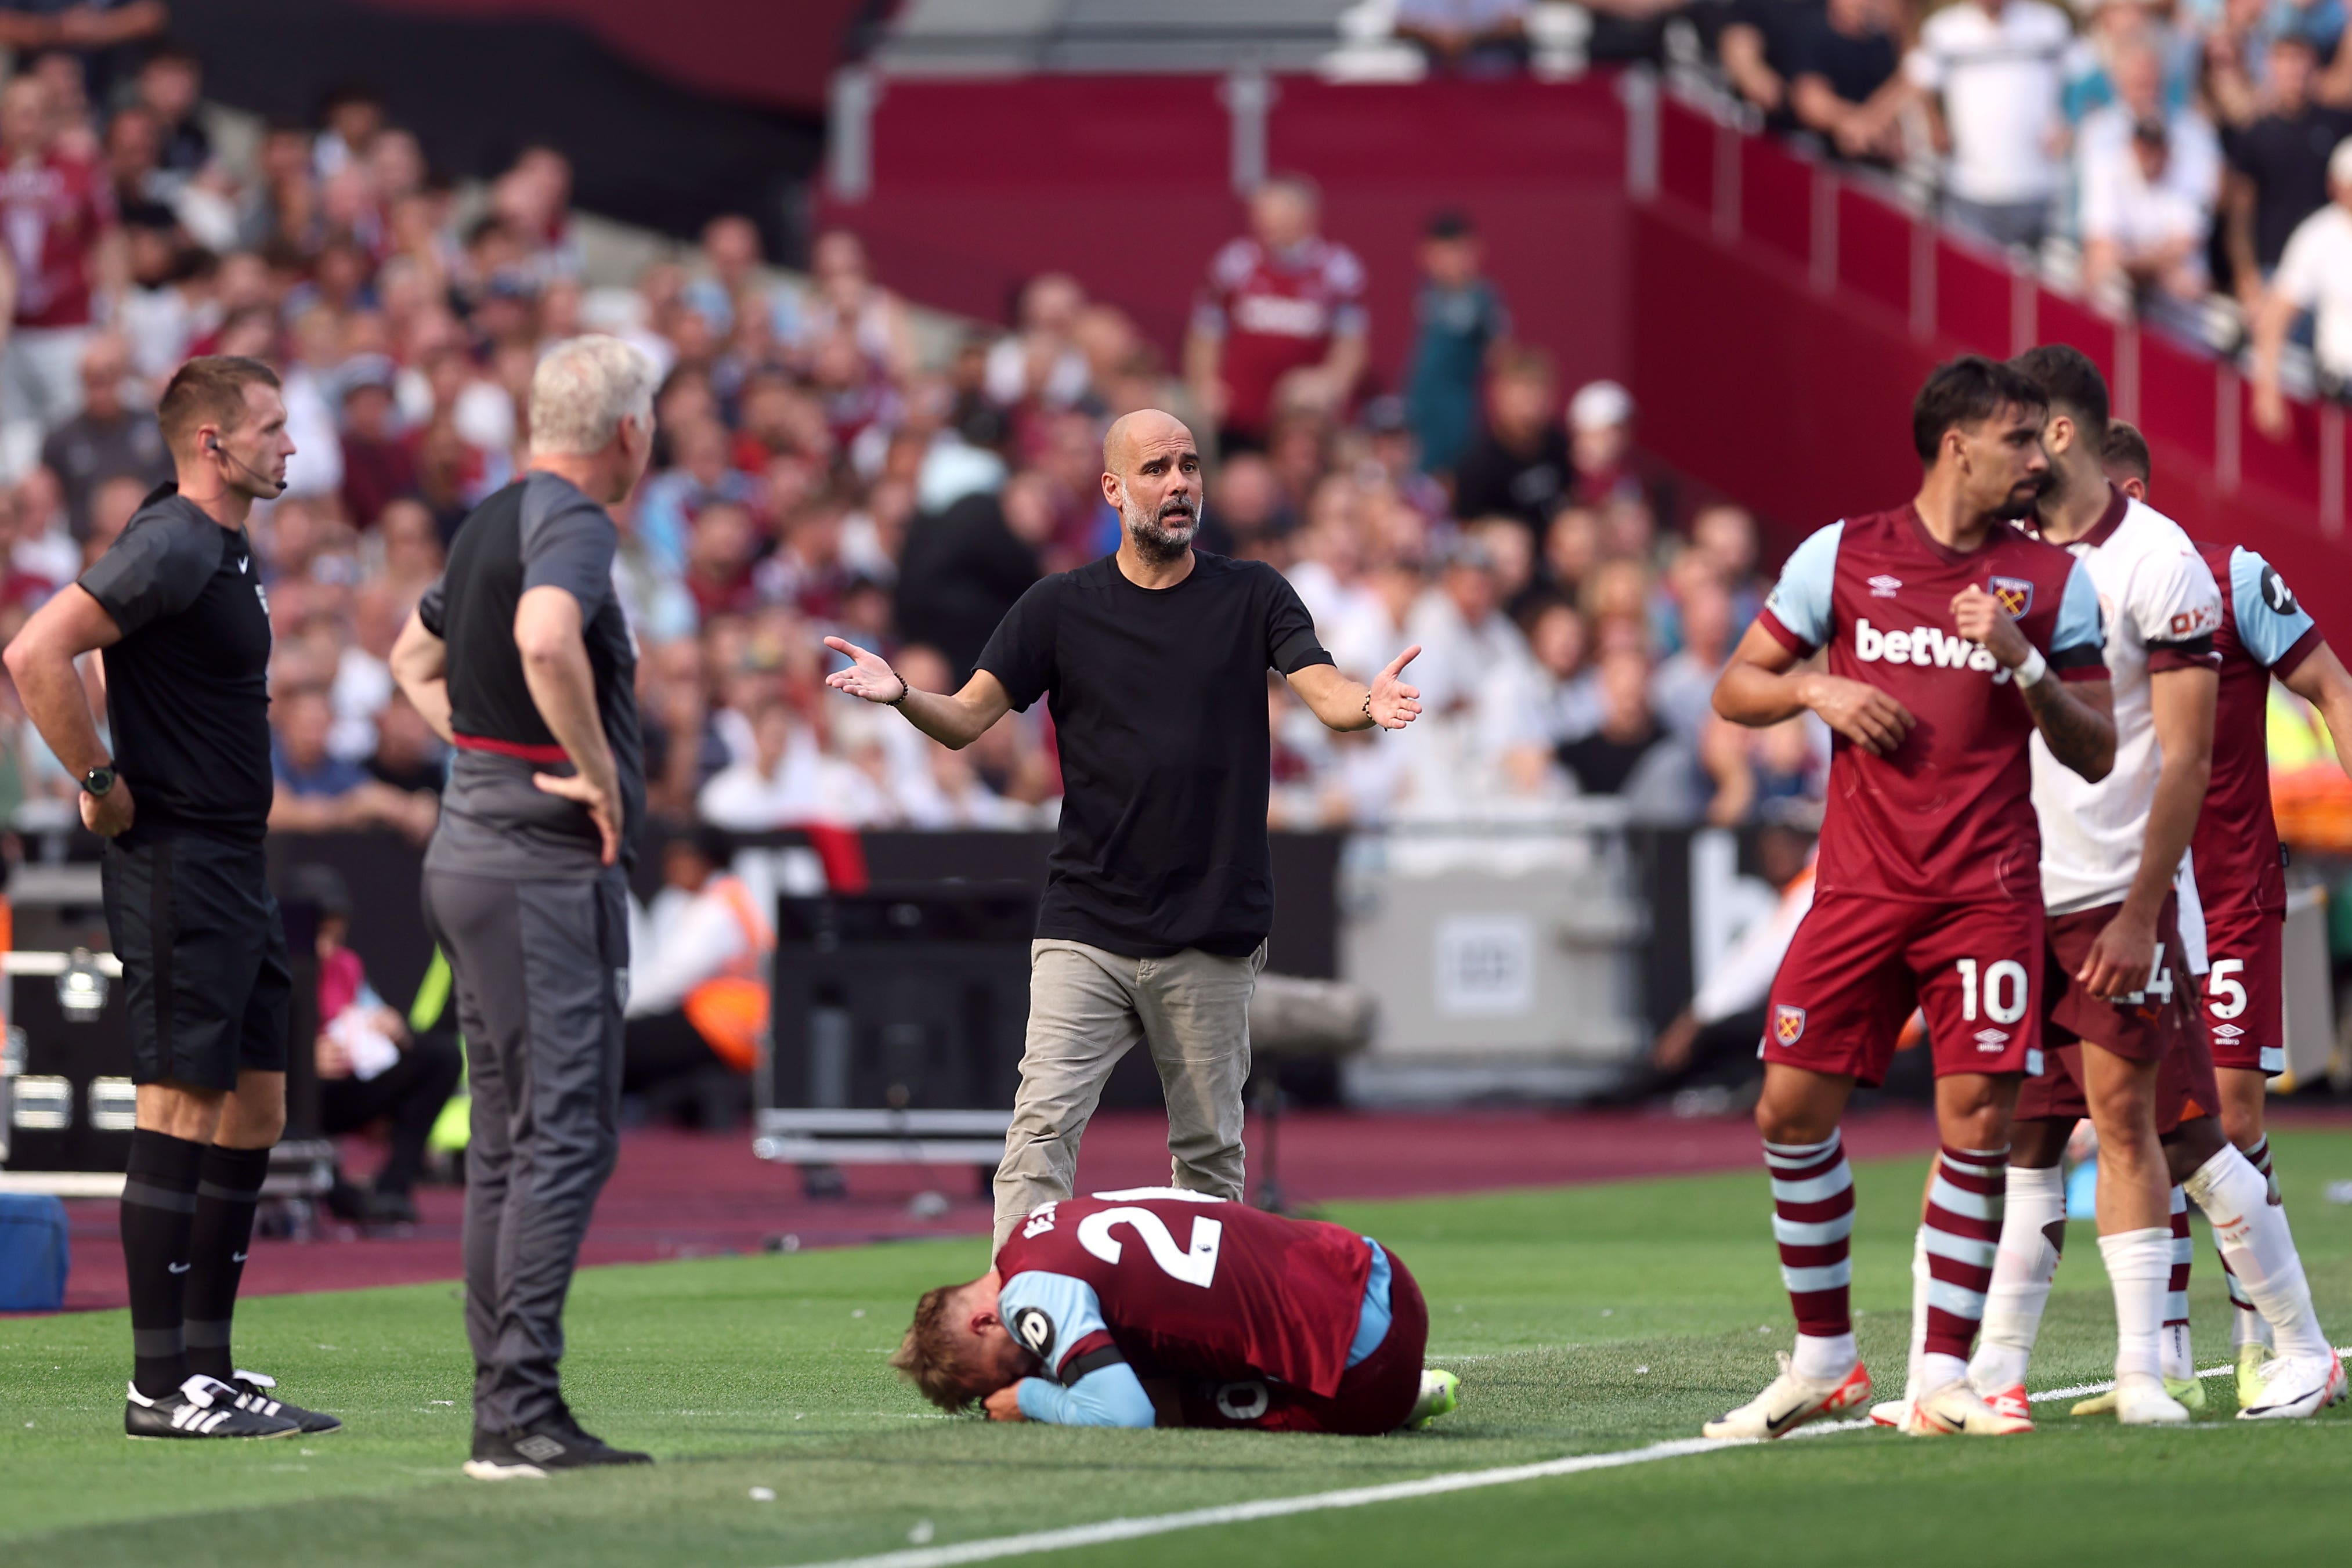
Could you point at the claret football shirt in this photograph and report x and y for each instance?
(2264, 632)
(1948, 817)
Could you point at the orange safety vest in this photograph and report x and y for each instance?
(729, 1010)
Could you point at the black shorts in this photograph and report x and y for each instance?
(203, 958)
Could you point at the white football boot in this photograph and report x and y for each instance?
(1957, 1408)
(2297, 1386)
(1790, 1401)
(2141, 1401)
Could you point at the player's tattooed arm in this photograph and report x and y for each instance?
(2076, 717)
(1763, 686)
(2077, 720)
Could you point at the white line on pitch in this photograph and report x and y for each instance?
(1112, 1529)
(2081, 1389)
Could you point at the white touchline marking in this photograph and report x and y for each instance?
(2082, 1389)
(1112, 1529)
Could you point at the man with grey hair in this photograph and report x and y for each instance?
(520, 658)
(1159, 894)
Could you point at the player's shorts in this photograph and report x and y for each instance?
(1858, 965)
(2244, 1021)
(1375, 1396)
(205, 969)
(2156, 1027)
(2143, 1028)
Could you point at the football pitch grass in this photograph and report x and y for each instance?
(1584, 1321)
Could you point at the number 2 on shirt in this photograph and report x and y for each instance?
(1195, 1265)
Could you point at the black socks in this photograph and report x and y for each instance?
(159, 1211)
(228, 1189)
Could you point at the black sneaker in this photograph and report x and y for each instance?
(253, 1392)
(202, 1407)
(551, 1443)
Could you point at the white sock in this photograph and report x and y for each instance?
(2021, 1272)
(2180, 1363)
(1823, 1357)
(2140, 1266)
(1939, 1371)
(2255, 1238)
(1912, 1388)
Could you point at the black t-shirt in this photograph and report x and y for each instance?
(187, 689)
(1601, 764)
(1159, 704)
(2287, 161)
(1784, 24)
(1855, 65)
(540, 531)
(1496, 481)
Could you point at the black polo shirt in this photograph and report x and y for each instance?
(1159, 710)
(187, 689)
(2287, 161)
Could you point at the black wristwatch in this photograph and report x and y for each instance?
(97, 781)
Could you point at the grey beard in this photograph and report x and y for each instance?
(1154, 540)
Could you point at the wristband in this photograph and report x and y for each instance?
(1368, 702)
(2035, 668)
(905, 691)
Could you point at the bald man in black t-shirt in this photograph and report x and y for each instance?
(1160, 893)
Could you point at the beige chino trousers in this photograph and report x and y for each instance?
(1087, 1009)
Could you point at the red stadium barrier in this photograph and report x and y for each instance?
(1776, 350)
(1772, 318)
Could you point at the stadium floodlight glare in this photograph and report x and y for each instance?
(81, 988)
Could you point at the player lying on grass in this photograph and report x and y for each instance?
(1159, 1305)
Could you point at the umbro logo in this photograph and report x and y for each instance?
(1989, 1040)
(1885, 587)
(540, 1446)
(2227, 1031)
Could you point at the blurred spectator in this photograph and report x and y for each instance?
(371, 1067)
(318, 791)
(1478, 680)
(1602, 467)
(107, 439)
(1571, 708)
(1761, 46)
(1476, 38)
(1283, 308)
(697, 998)
(1682, 690)
(1518, 466)
(171, 85)
(1041, 363)
(1994, 70)
(379, 468)
(1847, 86)
(1630, 754)
(847, 301)
(1458, 318)
(961, 569)
(2278, 164)
(60, 217)
(2314, 275)
(2191, 169)
(787, 781)
(2143, 236)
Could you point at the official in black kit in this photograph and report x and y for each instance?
(177, 612)
(1160, 893)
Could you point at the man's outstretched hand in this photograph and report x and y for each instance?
(1394, 704)
(869, 675)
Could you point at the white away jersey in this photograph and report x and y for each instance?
(2162, 608)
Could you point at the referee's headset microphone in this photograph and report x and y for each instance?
(211, 444)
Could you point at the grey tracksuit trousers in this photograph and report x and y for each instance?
(542, 971)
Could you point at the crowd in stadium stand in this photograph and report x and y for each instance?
(824, 468)
(816, 474)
